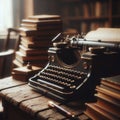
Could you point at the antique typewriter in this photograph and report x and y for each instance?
(75, 67)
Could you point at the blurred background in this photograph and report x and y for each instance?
(82, 15)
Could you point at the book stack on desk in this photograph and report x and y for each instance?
(107, 106)
(25, 72)
(36, 34)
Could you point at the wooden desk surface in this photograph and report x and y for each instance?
(33, 104)
(9, 82)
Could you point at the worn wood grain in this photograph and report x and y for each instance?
(35, 105)
(17, 94)
(9, 82)
(83, 117)
(74, 107)
(50, 114)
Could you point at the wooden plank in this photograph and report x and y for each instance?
(74, 107)
(12, 112)
(83, 117)
(80, 117)
(50, 114)
(35, 105)
(9, 82)
(18, 94)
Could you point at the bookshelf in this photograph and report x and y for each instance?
(86, 15)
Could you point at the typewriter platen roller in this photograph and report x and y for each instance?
(70, 73)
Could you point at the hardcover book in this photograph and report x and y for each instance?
(37, 38)
(108, 105)
(108, 92)
(37, 44)
(42, 22)
(112, 83)
(24, 73)
(28, 32)
(31, 51)
(21, 57)
(39, 63)
(97, 113)
(44, 17)
(43, 28)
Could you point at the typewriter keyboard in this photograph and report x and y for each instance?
(61, 79)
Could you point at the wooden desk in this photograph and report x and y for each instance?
(21, 102)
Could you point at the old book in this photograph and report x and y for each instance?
(42, 22)
(108, 105)
(108, 97)
(38, 44)
(104, 34)
(44, 17)
(86, 10)
(43, 28)
(108, 92)
(94, 25)
(31, 51)
(84, 27)
(37, 38)
(96, 113)
(32, 40)
(17, 63)
(24, 73)
(39, 63)
(28, 32)
(106, 24)
(109, 88)
(98, 9)
(111, 83)
(22, 58)
(108, 113)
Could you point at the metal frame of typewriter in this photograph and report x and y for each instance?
(67, 63)
(55, 63)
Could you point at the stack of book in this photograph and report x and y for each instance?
(107, 106)
(36, 34)
(25, 72)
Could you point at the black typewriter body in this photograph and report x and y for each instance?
(63, 75)
(71, 74)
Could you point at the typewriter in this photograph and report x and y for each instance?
(75, 67)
